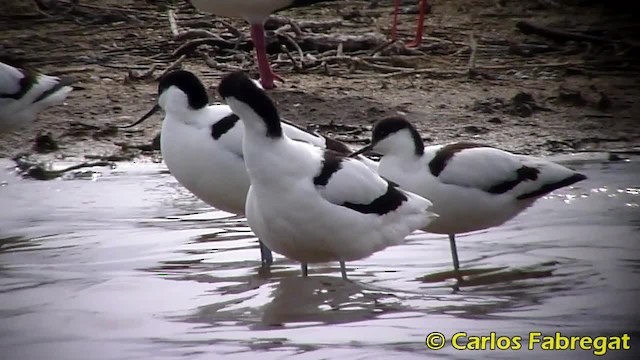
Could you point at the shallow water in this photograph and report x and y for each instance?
(126, 264)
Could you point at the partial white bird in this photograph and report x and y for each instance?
(310, 204)
(472, 186)
(201, 144)
(23, 94)
(256, 13)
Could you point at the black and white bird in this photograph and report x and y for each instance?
(23, 94)
(310, 204)
(201, 144)
(472, 186)
(256, 13)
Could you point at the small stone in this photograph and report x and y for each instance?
(155, 143)
(472, 129)
(45, 144)
(615, 157)
(605, 102)
(522, 98)
(570, 96)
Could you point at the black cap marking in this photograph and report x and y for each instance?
(239, 86)
(391, 125)
(189, 84)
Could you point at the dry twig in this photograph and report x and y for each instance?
(173, 25)
(380, 48)
(197, 34)
(138, 75)
(528, 27)
(293, 61)
(212, 63)
(174, 65)
(293, 42)
(473, 45)
(191, 45)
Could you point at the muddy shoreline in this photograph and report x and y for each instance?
(573, 96)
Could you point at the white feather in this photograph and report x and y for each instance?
(460, 191)
(20, 112)
(353, 183)
(9, 79)
(295, 218)
(296, 133)
(212, 169)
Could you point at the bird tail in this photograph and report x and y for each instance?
(53, 90)
(419, 209)
(551, 177)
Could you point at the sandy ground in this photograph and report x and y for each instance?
(574, 96)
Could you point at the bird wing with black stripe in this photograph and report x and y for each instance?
(350, 183)
(496, 171)
(227, 129)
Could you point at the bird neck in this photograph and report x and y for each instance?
(264, 157)
(405, 144)
(404, 161)
(191, 117)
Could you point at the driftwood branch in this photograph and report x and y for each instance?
(557, 35)
(173, 24)
(174, 65)
(189, 46)
(133, 74)
(40, 171)
(214, 64)
(464, 71)
(293, 61)
(298, 27)
(473, 45)
(198, 34)
(380, 48)
(232, 29)
(350, 43)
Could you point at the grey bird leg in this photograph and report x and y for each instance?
(265, 255)
(343, 270)
(454, 252)
(305, 270)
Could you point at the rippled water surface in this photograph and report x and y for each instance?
(128, 265)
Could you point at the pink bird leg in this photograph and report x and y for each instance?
(420, 28)
(267, 76)
(424, 8)
(394, 26)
